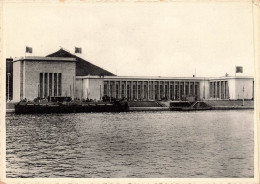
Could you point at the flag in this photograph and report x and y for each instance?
(78, 50)
(28, 49)
(239, 69)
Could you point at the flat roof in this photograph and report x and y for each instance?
(162, 78)
(41, 58)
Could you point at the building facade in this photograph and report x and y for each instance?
(67, 75)
(165, 88)
(42, 77)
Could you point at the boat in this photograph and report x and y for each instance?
(70, 107)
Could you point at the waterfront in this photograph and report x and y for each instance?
(134, 144)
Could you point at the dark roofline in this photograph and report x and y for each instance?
(83, 67)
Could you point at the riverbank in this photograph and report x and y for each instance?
(165, 105)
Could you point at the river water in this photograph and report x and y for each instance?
(133, 144)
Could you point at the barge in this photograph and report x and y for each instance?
(70, 107)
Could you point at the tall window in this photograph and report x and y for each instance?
(161, 91)
(182, 90)
(134, 91)
(111, 90)
(145, 92)
(59, 84)
(139, 91)
(50, 84)
(105, 89)
(177, 91)
(128, 91)
(117, 91)
(166, 91)
(45, 84)
(150, 91)
(186, 89)
(171, 92)
(191, 89)
(122, 91)
(41, 85)
(55, 84)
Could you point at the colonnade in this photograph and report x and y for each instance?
(219, 89)
(151, 89)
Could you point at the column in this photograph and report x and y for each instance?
(194, 88)
(189, 88)
(131, 90)
(153, 90)
(159, 92)
(119, 90)
(220, 89)
(48, 84)
(210, 89)
(179, 90)
(109, 94)
(184, 88)
(164, 89)
(173, 93)
(224, 89)
(53, 85)
(215, 89)
(142, 90)
(169, 90)
(148, 90)
(125, 89)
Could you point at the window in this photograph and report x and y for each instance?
(139, 91)
(166, 91)
(134, 91)
(59, 84)
(50, 84)
(128, 91)
(161, 91)
(151, 91)
(117, 91)
(41, 85)
(105, 89)
(145, 91)
(55, 84)
(122, 90)
(111, 90)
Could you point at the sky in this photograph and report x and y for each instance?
(138, 39)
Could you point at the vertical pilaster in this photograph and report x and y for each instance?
(184, 88)
(179, 90)
(47, 84)
(131, 90)
(142, 90)
(119, 90)
(224, 89)
(109, 90)
(194, 88)
(153, 90)
(173, 90)
(159, 91)
(169, 92)
(189, 88)
(148, 90)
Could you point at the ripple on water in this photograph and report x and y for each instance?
(136, 144)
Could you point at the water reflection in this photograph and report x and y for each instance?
(138, 144)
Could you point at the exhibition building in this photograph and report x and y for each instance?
(62, 74)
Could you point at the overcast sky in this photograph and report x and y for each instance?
(138, 39)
